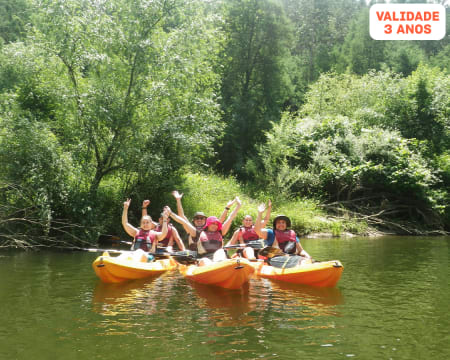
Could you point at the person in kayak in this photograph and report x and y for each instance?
(198, 221)
(247, 233)
(144, 237)
(172, 235)
(209, 244)
(280, 236)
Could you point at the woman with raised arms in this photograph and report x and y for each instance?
(144, 237)
(172, 237)
(247, 233)
(209, 244)
(280, 236)
(198, 221)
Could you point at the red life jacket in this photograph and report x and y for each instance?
(144, 240)
(248, 234)
(211, 241)
(165, 241)
(284, 237)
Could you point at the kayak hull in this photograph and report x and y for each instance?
(123, 268)
(320, 274)
(228, 274)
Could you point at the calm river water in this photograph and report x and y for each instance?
(392, 302)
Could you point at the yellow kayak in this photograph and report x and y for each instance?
(322, 274)
(228, 274)
(124, 267)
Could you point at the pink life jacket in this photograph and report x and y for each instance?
(211, 241)
(248, 233)
(284, 237)
(144, 240)
(165, 241)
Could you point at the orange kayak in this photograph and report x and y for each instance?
(321, 274)
(228, 274)
(123, 267)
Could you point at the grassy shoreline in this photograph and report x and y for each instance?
(210, 192)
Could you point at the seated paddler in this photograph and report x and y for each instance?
(198, 221)
(145, 238)
(209, 241)
(280, 236)
(246, 233)
(172, 237)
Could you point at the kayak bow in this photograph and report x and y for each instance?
(228, 274)
(122, 268)
(321, 274)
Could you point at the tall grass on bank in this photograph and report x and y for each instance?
(210, 193)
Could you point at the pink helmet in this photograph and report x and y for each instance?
(213, 220)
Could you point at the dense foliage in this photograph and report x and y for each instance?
(376, 144)
(103, 100)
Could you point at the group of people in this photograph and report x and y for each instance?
(206, 234)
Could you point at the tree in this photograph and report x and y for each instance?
(114, 59)
(255, 82)
(127, 88)
(14, 15)
(360, 53)
(319, 27)
(375, 144)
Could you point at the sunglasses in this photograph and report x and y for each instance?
(199, 218)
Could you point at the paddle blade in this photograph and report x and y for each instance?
(270, 251)
(257, 244)
(285, 261)
(186, 257)
(290, 247)
(111, 240)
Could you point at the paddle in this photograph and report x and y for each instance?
(270, 251)
(290, 247)
(158, 255)
(113, 251)
(285, 262)
(185, 257)
(255, 244)
(111, 240)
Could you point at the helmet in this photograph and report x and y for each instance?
(282, 217)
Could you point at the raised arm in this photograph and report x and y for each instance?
(130, 229)
(267, 217)
(180, 210)
(145, 203)
(262, 233)
(226, 225)
(186, 224)
(223, 216)
(234, 238)
(177, 238)
(161, 235)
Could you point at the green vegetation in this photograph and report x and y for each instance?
(209, 193)
(287, 100)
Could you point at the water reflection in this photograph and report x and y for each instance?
(113, 294)
(308, 295)
(256, 296)
(138, 296)
(218, 298)
(393, 304)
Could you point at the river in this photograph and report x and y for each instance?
(392, 302)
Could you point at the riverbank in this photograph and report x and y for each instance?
(210, 192)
